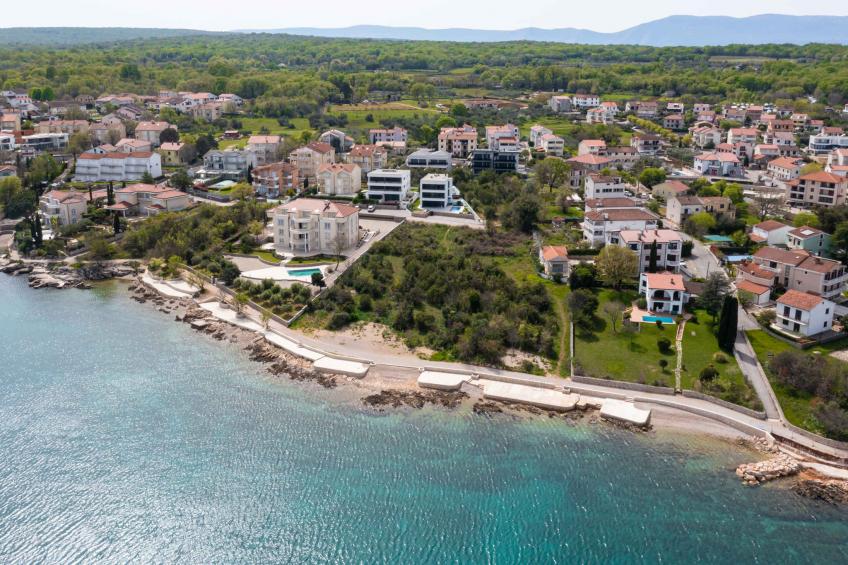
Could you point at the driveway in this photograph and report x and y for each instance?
(701, 263)
(748, 363)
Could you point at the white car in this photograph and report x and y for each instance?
(371, 208)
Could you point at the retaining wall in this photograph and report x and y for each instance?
(623, 385)
(741, 409)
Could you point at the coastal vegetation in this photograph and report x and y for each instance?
(268, 294)
(446, 289)
(811, 386)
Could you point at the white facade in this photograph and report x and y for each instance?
(665, 293)
(311, 226)
(537, 132)
(393, 135)
(429, 159)
(436, 191)
(93, 167)
(583, 101)
(804, 314)
(669, 245)
(599, 186)
(604, 226)
(66, 207)
(389, 185)
(339, 179)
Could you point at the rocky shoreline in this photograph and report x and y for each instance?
(62, 275)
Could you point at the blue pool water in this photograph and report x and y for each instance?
(662, 319)
(302, 272)
(456, 209)
(125, 437)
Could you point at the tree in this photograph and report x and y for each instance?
(583, 275)
(653, 258)
(229, 272)
(716, 288)
(664, 345)
(98, 248)
(318, 280)
(116, 223)
(110, 194)
(523, 214)
(663, 364)
(813, 167)
(839, 242)
(169, 135)
(147, 178)
(240, 300)
(613, 310)
(746, 299)
(652, 176)
(764, 204)
(616, 265)
(805, 219)
(241, 191)
(180, 180)
(727, 322)
(79, 143)
(552, 172)
(582, 305)
(43, 169)
(699, 224)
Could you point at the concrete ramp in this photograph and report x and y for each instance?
(546, 398)
(341, 366)
(625, 412)
(292, 347)
(441, 381)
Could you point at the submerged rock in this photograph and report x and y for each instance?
(414, 399)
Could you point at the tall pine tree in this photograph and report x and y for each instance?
(652, 260)
(727, 322)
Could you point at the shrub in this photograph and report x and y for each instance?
(719, 357)
(642, 303)
(338, 321)
(708, 374)
(664, 345)
(365, 303)
(663, 364)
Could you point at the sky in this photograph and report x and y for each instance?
(220, 15)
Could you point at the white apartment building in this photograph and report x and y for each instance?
(552, 144)
(339, 179)
(459, 142)
(94, 167)
(310, 226)
(604, 226)
(437, 191)
(669, 247)
(817, 189)
(600, 186)
(67, 207)
(307, 159)
(785, 168)
(508, 132)
(389, 186)
(429, 159)
(150, 131)
(822, 144)
(536, 133)
(584, 101)
(265, 147)
(368, 157)
(393, 135)
(664, 292)
(803, 314)
(231, 163)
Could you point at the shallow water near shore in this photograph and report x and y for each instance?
(125, 436)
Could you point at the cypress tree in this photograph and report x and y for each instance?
(116, 224)
(652, 260)
(727, 323)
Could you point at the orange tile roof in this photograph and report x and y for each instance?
(800, 300)
(752, 287)
(665, 281)
(554, 252)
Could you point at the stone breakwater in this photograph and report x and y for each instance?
(768, 470)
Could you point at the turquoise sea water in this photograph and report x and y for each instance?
(126, 437)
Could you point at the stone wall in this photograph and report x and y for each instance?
(623, 384)
(741, 409)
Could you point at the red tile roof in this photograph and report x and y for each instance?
(665, 281)
(555, 252)
(752, 287)
(800, 300)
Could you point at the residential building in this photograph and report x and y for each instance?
(94, 167)
(150, 131)
(668, 243)
(584, 101)
(601, 186)
(812, 240)
(706, 136)
(648, 110)
(675, 107)
(339, 140)
(172, 153)
(459, 142)
(231, 163)
(838, 157)
(604, 226)
(823, 144)
(275, 180)
(560, 104)
(339, 179)
(536, 133)
(765, 153)
(69, 127)
(508, 132)
(552, 144)
(67, 207)
(817, 189)
(798, 270)
(130, 112)
(389, 186)
(8, 171)
(210, 111)
(437, 191)
(624, 157)
(804, 314)
(718, 206)
(583, 165)
(429, 159)
(745, 135)
(785, 168)
(310, 226)
(770, 232)
(148, 200)
(368, 157)
(554, 260)
(665, 293)
(593, 204)
(44, 142)
(674, 122)
(718, 164)
(128, 145)
(679, 208)
(699, 107)
(307, 159)
(494, 160)
(591, 147)
(107, 133)
(10, 121)
(265, 147)
(645, 143)
(669, 189)
(393, 135)
(600, 115)
(761, 294)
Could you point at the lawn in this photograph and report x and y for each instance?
(699, 348)
(357, 113)
(314, 259)
(266, 256)
(797, 406)
(604, 353)
(255, 125)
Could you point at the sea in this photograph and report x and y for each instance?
(128, 438)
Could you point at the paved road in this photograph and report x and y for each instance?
(701, 263)
(748, 363)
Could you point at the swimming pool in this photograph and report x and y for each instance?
(302, 272)
(456, 209)
(662, 319)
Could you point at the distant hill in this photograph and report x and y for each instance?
(670, 31)
(59, 36)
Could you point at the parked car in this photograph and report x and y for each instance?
(372, 208)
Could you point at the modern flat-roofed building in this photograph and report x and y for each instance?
(436, 191)
(429, 159)
(389, 186)
(95, 167)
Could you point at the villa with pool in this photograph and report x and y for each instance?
(309, 226)
(664, 293)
